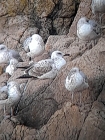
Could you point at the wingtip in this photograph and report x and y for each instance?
(23, 67)
(24, 76)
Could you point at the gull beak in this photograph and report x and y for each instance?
(66, 55)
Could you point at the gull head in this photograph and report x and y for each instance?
(57, 54)
(83, 20)
(36, 37)
(74, 70)
(59, 61)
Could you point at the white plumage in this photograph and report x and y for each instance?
(34, 46)
(13, 91)
(76, 81)
(47, 68)
(7, 54)
(11, 68)
(88, 29)
(14, 95)
(98, 7)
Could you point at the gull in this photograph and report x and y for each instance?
(76, 81)
(14, 95)
(98, 6)
(34, 46)
(7, 54)
(46, 69)
(11, 68)
(88, 29)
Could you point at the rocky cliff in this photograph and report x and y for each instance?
(45, 111)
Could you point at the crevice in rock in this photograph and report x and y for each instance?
(22, 35)
(37, 21)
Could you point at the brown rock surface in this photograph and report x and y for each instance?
(22, 18)
(44, 111)
(46, 104)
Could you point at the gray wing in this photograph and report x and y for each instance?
(72, 71)
(38, 69)
(26, 44)
(2, 47)
(84, 76)
(3, 89)
(16, 55)
(95, 26)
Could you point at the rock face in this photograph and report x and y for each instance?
(44, 111)
(22, 18)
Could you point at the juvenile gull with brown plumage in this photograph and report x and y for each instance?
(48, 68)
(76, 81)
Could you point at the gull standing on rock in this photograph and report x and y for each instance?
(76, 81)
(88, 29)
(48, 68)
(11, 68)
(14, 95)
(34, 46)
(7, 54)
(98, 6)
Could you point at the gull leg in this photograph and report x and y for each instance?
(80, 98)
(100, 17)
(11, 111)
(95, 42)
(4, 111)
(72, 97)
(5, 116)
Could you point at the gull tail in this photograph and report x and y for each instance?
(25, 76)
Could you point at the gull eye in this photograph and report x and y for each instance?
(87, 20)
(2, 48)
(59, 53)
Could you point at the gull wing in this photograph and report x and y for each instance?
(40, 68)
(26, 44)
